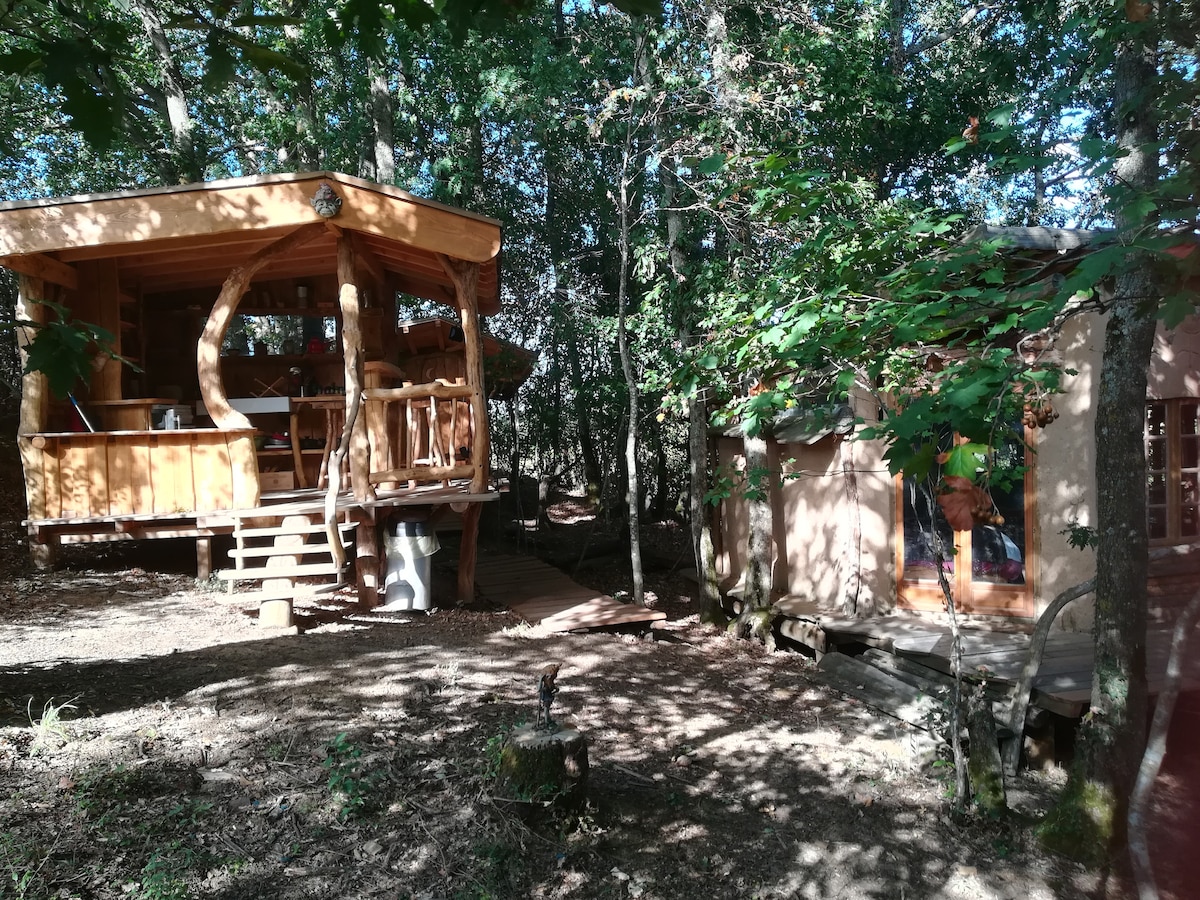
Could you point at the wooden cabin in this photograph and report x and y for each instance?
(260, 319)
(850, 538)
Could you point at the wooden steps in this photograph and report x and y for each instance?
(282, 561)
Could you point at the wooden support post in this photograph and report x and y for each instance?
(465, 276)
(35, 405)
(208, 350)
(468, 550)
(356, 426)
(203, 558)
(367, 569)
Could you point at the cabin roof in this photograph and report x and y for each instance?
(192, 236)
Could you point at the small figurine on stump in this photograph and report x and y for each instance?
(546, 689)
(545, 763)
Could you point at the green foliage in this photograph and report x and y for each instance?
(1080, 536)
(66, 350)
(349, 780)
(49, 728)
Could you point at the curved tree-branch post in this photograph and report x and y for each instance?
(1011, 752)
(1156, 749)
(465, 276)
(353, 440)
(208, 350)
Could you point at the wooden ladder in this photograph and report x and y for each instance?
(275, 556)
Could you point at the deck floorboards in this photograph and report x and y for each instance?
(1064, 680)
(544, 596)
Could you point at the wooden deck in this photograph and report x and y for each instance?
(542, 595)
(1064, 681)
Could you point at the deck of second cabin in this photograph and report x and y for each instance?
(1063, 684)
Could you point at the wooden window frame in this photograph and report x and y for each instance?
(979, 598)
(1173, 470)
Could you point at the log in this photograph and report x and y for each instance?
(544, 766)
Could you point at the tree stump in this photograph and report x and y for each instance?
(984, 769)
(540, 766)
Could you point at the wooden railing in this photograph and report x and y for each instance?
(422, 433)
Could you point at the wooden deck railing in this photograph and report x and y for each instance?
(423, 433)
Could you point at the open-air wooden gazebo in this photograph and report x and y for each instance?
(322, 435)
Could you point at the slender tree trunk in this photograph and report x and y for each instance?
(711, 612)
(755, 619)
(183, 148)
(383, 115)
(593, 473)
(1093, 811)
(632, 493)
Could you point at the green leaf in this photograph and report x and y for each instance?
(711, 165)
(1175, 308)
(965, 460)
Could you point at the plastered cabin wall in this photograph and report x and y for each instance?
(1175, 366)
(817, 525)
(812, 534)
(1065, 473)
(1067, 452)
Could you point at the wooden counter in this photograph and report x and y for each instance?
(116, 473)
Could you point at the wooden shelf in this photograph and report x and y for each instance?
(287, 451)
(284, 358)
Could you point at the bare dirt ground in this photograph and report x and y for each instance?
(154, 743)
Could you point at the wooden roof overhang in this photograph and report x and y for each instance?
(187, 237)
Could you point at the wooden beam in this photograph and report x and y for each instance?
(208, 350)
(356, 425)
(365, 258)
(465, 276)
(47, 268)
(468, 550)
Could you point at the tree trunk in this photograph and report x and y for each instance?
(183, 149)
(755, 617)
(383, 123)
(711, 612)
(1090, 818)
(632, 493)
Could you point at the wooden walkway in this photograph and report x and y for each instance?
(1063, 684)
(542, 595)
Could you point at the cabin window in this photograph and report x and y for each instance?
(1173, 470)
(988, 567)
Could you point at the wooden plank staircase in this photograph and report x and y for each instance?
(286, 556)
